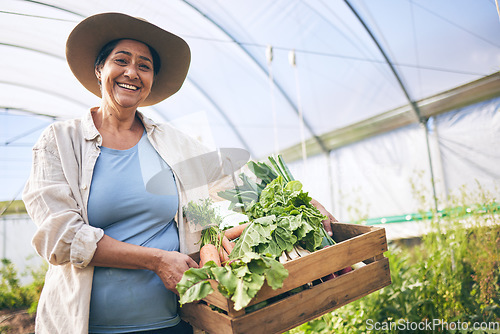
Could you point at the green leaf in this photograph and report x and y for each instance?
(262, 171)
(291, 223)
(312, 241)
(277, 167)
(196, 292)
(241, 270)
(247, 287)
(276, 273)
(278, 211)
(303, 230)
(258, 232)
(270, 248)
(202, 213)
(284, 238)
(240, 281)
(273, 194)
(293, 186)
(227, 280)
(250, 185)
(257, 266)
(193, 276)
(284, 167)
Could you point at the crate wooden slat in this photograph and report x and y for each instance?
(328, 260)
(356, 243)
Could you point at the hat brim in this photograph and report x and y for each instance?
(89, 36)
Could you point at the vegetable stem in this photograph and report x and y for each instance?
(285, 168)
(327, 240)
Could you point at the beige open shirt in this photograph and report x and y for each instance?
(56, 197)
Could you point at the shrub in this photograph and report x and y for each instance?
(12, 294)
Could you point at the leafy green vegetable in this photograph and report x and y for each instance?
(298, 221)
(194, 284)
(282, 220)
(244, 196)
(258, 232)
(239, 280)
(281, 168)
(263, 171)
(282, 196)
(203, 214)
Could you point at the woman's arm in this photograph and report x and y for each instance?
(53, 200)
(168, 265)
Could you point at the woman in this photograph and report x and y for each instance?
(115, 250)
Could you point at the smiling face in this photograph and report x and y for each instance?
(127, 74)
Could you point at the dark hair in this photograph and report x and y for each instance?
(106, 50)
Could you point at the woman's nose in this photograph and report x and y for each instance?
(131, 72)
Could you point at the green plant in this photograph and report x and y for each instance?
(357, 210)
(204, 216)
(12, 294)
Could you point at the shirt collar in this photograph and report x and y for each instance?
(148, 123)
(90, 131)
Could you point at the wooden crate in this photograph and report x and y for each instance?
(355, 243)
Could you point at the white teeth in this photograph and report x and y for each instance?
(127, 86)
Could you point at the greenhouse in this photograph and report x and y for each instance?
(386, 111)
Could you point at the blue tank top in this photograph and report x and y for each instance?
(125, 300)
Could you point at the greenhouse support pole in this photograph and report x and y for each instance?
(293, 62)
(4, 238)
(429, 158)
(421, 120)
(269, 57)
(440, 157)
(328, 156)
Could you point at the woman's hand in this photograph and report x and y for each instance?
(170, 266)
(327, 223)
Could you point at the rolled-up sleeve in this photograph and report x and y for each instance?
(55, 204)
(84, 245)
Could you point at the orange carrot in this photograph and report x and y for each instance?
(224, 256)
(235, 231)
(227, 244)
(209, 253)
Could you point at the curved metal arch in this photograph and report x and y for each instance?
(55, 7)
(37, 88)
(413, 104)
(9, 141)
(223, 114)
(46, 91)
(33, 50)
(387, 60)
(262, 68)
(27, 111)
(219, 110)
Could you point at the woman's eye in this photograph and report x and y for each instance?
(120, 61)
(145, 67)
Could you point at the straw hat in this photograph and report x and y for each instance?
(89, 36)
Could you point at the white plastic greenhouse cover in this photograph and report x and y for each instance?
(237, 96)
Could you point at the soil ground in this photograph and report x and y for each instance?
(16, 322)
